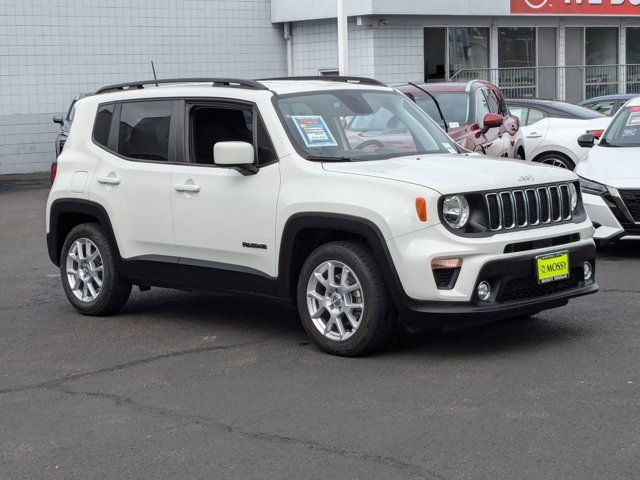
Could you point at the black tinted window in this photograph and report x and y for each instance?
(102, 125)
(144, 130)
(266, 152)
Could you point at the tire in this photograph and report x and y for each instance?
(101, 290)
(557, 160)
(332, 306)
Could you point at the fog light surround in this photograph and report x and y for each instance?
(484, 290)
(588, 271)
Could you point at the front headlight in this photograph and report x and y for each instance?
(591, 187)
(573, 192)
(455, 211)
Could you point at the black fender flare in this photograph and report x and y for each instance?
(343, 223)
(77, 206)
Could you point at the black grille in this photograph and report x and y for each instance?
(527, 287)
(507, 210)
(533, 207)
(446, 277)
(495, 221)
(631, 199)
(521, 208)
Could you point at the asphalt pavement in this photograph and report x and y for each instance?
(201, 386)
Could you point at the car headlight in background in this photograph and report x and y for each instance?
(591, 187)
(573, 192)
(455, 211)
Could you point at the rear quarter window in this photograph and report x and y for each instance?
(102, 124)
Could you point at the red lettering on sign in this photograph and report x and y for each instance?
(576, 7)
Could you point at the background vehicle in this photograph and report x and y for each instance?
(608, 104)
(551, 130)
(65, 126)
(474, 114)
(610, 176)
(257, 187)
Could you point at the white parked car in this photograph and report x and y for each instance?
(551, 129)
(610, 176)
(256, 187)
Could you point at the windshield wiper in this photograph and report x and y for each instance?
(330, 159)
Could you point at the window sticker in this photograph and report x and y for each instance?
(629, 132)
(314, 131)
(449, 148)
(454, 125)
(634, 119)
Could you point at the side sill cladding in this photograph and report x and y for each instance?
(85, 208)
(361, 227)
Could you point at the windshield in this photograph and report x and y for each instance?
(625, 129)
(359, 125)
(454, 106)
(72, 111)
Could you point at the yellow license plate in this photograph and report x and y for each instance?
(553, 267)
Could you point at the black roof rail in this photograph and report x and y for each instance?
(215, 82)
(331, 78)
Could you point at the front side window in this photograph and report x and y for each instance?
(535, 116)
(520, 112)
(454, 106)
(359, 125)
(625, 130)
(144, 130)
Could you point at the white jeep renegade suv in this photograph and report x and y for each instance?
(338, 193)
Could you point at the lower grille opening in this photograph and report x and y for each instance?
(446, 278)
(542, 243)
(527, 287)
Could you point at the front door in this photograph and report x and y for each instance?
(224, 218)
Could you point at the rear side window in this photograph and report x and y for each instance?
(144, 130)
(102, 125)
(535, 116)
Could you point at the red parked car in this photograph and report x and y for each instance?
(474, 114)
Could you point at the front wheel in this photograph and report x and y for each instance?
(89, 275)
(557, 160)
(343, 302)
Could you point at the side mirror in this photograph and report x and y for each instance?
(492, 120)
(587, 140)
(235, 154)
(58, 119)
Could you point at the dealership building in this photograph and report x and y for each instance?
(51, 50)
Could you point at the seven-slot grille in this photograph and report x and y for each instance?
(528, 207)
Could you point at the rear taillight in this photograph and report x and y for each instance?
(596, 133)
(53, 171)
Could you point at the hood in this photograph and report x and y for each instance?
(617, 167)
(455, 173)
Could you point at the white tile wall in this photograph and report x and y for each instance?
(390, 53)
(50, 50)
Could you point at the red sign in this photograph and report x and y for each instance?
(576, 7)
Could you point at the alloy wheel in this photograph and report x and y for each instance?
(85, 270)
(335, 300)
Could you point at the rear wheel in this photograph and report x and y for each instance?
(343, 302)
(89, 275)
(557, 160)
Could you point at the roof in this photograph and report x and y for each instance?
(618, 96)
(635, 102)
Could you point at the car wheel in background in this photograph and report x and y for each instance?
(557, 160)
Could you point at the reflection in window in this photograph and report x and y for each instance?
(144, 130)
(468, 49)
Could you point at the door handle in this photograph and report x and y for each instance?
(109, 180)
(534, 135)
(187, 188)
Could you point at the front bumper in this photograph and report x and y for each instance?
(515, 293)
(610, 221)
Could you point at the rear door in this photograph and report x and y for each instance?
(132, 180)
(224, 218)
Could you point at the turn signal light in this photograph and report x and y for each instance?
(421, 209)
(442, 263)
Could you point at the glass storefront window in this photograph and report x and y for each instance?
(516, 47)
(469, 49)
(601, 57)
(633, 59)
